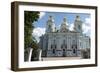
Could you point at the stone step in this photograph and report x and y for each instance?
(59, 58)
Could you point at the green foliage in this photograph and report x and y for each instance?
(86, 53)
(29, 18)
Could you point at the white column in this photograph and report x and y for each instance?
(58, 43)
(49, 44)
(30, 54)
(68, 43)
(40, 53)
(78, 42)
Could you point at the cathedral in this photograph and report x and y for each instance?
(63, 42)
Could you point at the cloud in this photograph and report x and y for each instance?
(71, 26)
(87, 20)
(86, 29)
(37, 32)
(87, 26)
(41, 14)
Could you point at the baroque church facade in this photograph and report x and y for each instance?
(63, 42)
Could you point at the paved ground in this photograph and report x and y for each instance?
(59, 58)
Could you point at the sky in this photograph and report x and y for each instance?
(40, 25)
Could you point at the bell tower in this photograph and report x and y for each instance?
(50, 26)
(64, 26)
(78, 24)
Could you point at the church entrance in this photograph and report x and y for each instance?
(53, 51)
(53, 47)
(74, 47)
(64, 52)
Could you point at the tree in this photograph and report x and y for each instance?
(86, 54)
(29, 41)
(30, 17)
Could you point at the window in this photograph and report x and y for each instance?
(55, 46)
(61, 46)
(49, 26)
(80, 44)
(51, 46)
(65, 46)
(64, 42)
(74, 51)
(54, 41)
(53, 51)
(63, 50)
(73, 42)
(79, 27)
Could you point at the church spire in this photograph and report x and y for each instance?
(51, 18)
(78, 24)
(78, 18)
(50, 26)
(64, 26)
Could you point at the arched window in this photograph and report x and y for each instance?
(61, 46)
(65, 46)
(64, 42)
(54, 41)
(72, 46)
(76, 46)
(80, 44)
(55, 46)
(79, 27)
(74, 42)
(51, 46)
